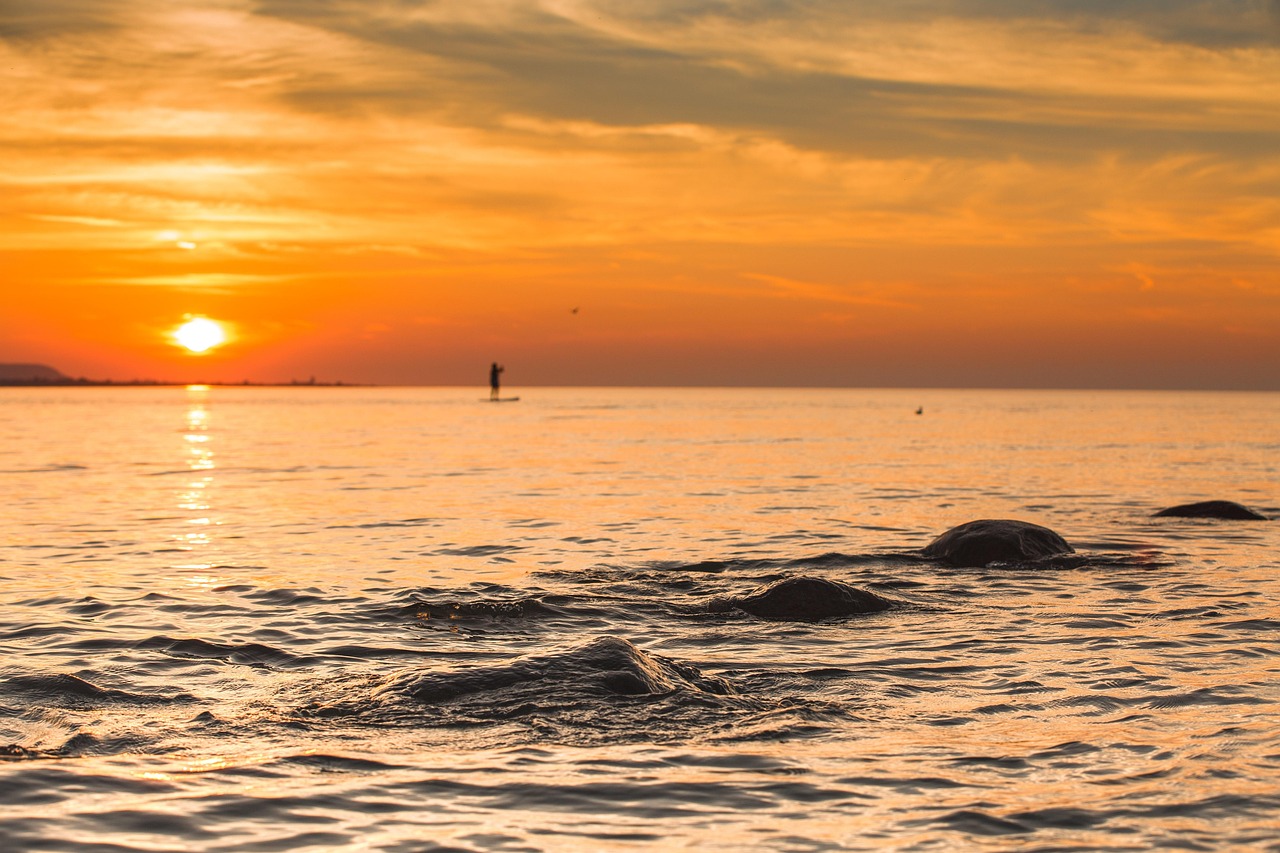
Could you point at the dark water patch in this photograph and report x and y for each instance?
(280, 809)
(1094, 624)
(1087, 706)
(52, 468)
(373, 653)
(926, 674)
(1266, 626)
(64, 690)
(406, 522)
(95, 645)
(137, 822)
(659, 801)
(1219, 807)
(1071, 749)
(41, 783)
(736, 565)
(34, 632)
(332, 763)
(254, 655)
(51, 601)
(1194, 614)
(477, 551)
(289, 597)
(1065, 563)
(993, 762)
(1061, 818)
(193, 608)
(801, 535)
(836, 560)
(89, 607)
(1222, 695)
(486, 606)
(972, 822)
(910, 785)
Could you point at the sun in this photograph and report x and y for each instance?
(200, 334)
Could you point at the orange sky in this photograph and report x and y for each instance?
(832, 192)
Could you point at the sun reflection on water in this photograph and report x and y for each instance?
(194, 497)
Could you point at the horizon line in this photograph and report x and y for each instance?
(334, 384)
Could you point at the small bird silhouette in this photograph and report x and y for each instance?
(920, 411)
(574, 311)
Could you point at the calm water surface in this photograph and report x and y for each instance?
(384, 619)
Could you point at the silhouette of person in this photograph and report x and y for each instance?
(495, 370)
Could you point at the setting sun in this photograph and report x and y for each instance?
(200, 335)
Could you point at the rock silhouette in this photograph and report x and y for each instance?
(1211, 509)
(29, 373)
(979, 543)
(604, 666)
(809, 598)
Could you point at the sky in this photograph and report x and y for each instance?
(991, 193)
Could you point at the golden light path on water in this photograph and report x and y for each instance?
(196, 494)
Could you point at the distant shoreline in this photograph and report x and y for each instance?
(157, 383)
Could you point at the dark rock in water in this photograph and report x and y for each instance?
(810, 598)
(979, 543)
(1211, 509)
(608, 665)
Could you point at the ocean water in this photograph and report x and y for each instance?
(256, 619)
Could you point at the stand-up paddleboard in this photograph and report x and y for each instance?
(500, 400)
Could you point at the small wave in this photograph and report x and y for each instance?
(426, 605)
(406, 522)
(64, 690)
(974, 822)
(1225, 695)
(288, 597)
(247, 654)
(331, 763)
(477, 551)
(712, 566)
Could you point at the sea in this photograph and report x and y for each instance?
(410, 619)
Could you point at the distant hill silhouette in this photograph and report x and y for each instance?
(30, 373)
(13, 375)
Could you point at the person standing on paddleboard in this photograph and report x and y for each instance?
(495, 371)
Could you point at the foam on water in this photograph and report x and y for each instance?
(395, 620)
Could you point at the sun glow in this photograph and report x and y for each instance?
(200, 335)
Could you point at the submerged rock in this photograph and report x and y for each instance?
(979, 543)
(1211, 509)
(809, 598)
(608, 665)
